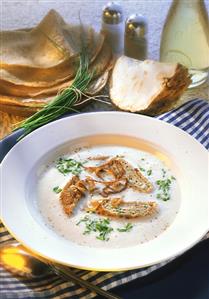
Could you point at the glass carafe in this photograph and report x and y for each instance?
(185, 38)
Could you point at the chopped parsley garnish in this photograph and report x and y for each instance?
(163, 196)
(149, 172)
(57, 189)
(127, 228)
(141, 168)
(100, 226)
(164, 172)
(164, 187)
(142, 159)
(85, 219)
(66, 166)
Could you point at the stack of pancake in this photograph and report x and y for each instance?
(37, 63)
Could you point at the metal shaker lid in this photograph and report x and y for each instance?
(136, 26)
(112, 13)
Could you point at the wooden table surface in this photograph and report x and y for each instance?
(7, 123)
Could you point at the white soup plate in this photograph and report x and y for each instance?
(186, 156)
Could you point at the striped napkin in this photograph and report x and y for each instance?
(192, 117)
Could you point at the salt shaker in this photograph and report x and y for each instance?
(135, 37)
(113, 26)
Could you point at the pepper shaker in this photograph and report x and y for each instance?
(135, 37)
(113, 26)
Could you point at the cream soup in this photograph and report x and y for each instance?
(80, 226)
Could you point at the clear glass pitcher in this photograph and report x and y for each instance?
(185, 38)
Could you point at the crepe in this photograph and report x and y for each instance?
(38, 63)
(148, 87)
(42, 77)
(52, 37)
(47, 54)
(26, 106)
(98, 66)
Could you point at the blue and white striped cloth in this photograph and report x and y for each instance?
(192, 117)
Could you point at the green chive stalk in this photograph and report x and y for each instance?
(63, 102)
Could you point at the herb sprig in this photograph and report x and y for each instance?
(64, 101)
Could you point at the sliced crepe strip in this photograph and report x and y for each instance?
(121, 169)
(136, 180)
(73, 191)
(148, 87)
(118, 208)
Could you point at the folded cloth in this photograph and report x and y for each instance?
(192, 117)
